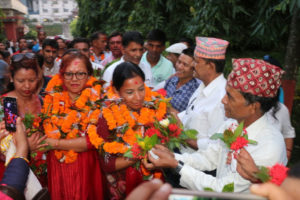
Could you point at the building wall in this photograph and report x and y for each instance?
(53, 10)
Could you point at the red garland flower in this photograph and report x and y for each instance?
(278, 173)
(152, 131)
(173, 127)
(239, 143)
(136, 151)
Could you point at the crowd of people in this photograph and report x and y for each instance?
(97, 96)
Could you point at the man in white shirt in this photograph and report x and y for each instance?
(205, 112)
(82, 44)
(250, 93)
(132, 52)
(49, 51)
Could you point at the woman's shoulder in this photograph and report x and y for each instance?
(9, 94)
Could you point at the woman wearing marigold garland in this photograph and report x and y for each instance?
(73, 165)
(122, 120)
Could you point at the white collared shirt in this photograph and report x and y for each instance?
(205, 112)
(52, 71)
(270, 149)
(108, 73)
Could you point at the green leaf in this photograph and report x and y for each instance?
(263, 174)
(128, 154)
(228, 188)
(217, 136)
(208, 189)
(239, 130)
(252, 142)
(191, 133)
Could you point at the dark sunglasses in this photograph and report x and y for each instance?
(21, 56)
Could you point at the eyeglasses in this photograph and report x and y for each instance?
(21, 56)
(78, 75)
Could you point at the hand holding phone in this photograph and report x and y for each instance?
(10, 113)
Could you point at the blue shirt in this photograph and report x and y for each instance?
(182, 95)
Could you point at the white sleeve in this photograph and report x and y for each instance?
(197, 180)
(107, 76)
(283, 116)
(202, 160)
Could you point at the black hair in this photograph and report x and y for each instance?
(132, 36)
(40, 60)
(50, 42)
(187, 40)
(79, 40)
(189, 52)
(95, 35)
(157, 35)
(272, 61)
(294, 171)
(21, 38)
(124, 71)
(60, 38)
(114, 34)
(5, 54)
(220, 64)
(266, 103)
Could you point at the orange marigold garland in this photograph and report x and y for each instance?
(68, 120)
(127, 127)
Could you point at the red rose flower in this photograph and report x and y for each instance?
(152, 131)
(278, 173)
(239, 143)
(162, 92)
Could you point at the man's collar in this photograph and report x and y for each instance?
(212, 85)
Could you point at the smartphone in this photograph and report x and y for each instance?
(182, 194)
(10, 113)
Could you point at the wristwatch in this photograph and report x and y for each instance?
(179, 166)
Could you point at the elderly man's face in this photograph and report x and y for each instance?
(236, 106)
(115, 45)
(201, 68)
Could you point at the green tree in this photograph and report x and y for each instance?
(2, 34)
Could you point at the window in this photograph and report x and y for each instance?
(44, 1)
(45, 10)
(55, 10)
(54, 2)
(65, 1)
(66, 10)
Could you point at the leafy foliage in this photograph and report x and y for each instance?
(245, 24)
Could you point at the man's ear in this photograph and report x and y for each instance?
(212, 66)
(256, 107)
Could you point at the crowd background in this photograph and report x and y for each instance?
(255, 42)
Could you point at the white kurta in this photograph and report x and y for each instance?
(108, 73)
(205, 112)
(269, 151)
(282, 121)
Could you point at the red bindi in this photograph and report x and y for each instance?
(76, 62)
(136, 82)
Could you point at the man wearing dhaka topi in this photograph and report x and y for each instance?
(250, 93)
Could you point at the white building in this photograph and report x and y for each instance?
(55, 11)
